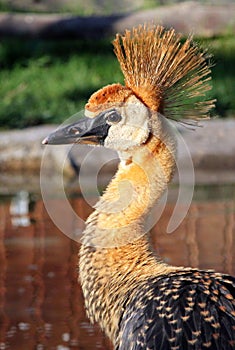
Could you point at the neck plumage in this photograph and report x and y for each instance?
(142, 177)
(116, 256)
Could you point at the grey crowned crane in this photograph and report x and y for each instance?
(139, 301)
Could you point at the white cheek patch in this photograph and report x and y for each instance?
(133, 130)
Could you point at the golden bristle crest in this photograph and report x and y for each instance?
(168, 76)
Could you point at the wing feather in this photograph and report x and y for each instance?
(185, 310)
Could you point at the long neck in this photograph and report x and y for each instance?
(116, 256)
(142, 177)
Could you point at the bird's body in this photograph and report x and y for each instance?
(143, 304)
(187, 309)
(140, 302)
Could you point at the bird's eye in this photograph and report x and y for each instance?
(113, 117)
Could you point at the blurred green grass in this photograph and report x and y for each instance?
(46, 82)
(223, 73)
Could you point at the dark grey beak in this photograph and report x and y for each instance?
(86, 130)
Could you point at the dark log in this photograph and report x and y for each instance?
(55, 26)
(188, 17)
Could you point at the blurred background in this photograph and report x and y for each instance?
(50, 65)
(53, 55)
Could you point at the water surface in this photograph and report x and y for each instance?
(41, 303)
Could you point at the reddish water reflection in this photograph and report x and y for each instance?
(41, 304)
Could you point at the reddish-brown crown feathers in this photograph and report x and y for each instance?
(165, 74)
(108, 95)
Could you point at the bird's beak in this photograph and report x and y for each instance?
(85, 131)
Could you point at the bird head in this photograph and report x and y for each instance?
(162, 76)
(114, 118)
